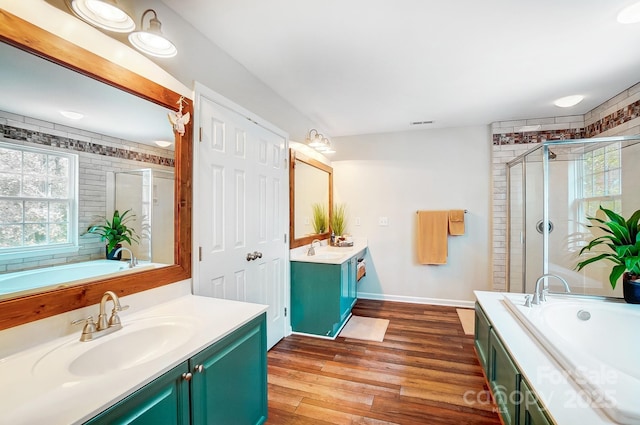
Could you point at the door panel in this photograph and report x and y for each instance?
(240, 200)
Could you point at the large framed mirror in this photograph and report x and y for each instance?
(172, 166)
(310, 186)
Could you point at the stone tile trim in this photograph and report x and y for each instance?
(45, 139)
(613, 120)
(538, 136)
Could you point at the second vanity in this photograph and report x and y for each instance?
(324, 288)
(171, 363)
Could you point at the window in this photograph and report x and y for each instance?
(38, 199)
(601, 180)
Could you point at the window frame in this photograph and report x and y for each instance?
(72, 246)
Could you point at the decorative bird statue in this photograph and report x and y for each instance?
(177, 120)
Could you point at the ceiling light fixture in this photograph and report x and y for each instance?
(630, 14)
(105, 14)
(568, 101)
(72, 115)
(151, 41)
(162, 143)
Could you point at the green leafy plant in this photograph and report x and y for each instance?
(339, 219)
(116, 231)
(320, 219)
(622, 238)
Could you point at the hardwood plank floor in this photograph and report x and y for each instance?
(424, 372)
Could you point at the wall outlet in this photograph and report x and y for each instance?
(358, 222)
(383, 221)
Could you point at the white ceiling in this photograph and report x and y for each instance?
(368, 66)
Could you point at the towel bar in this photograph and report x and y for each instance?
(465, 211)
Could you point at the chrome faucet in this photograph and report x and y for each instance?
(540, 293)
(312, 250)
(133, 261)
(92, 331)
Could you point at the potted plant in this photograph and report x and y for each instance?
(622, 238)
(319, 218)
(339, 220)
(115, 231)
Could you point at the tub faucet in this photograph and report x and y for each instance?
(312, 250)
(133, 261)
(540, 292)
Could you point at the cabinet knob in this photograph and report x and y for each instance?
(198, 368)
(187, 376)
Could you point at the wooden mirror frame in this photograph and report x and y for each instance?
(26, 36)
(293, 157)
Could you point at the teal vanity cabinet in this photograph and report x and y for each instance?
(322, 296)
(226, 383)
(164, 400)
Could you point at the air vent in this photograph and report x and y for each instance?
(420, 122)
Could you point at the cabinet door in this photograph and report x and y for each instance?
(231, 388)
(163, 401)
(531, 412)
(315, 297)
(504, 379)
(481, 340)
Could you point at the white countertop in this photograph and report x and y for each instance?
(564, 400)
(328, 254)
(30, 397)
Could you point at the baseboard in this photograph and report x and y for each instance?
(417, 300)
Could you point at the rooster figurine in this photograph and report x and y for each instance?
(177, 120)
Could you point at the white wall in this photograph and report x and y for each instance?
(394, 175)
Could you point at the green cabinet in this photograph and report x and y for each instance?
(229, 383)
(164, 400)
(226, 383)
(481, 340)
(322, 296)
(517, 402)
(531, 412)
(504, 380)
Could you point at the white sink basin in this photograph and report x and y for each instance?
(135, 344)
(327, 256)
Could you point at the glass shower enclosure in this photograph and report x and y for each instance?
(149, 194)
(552, 189)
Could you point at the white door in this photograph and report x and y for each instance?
(240, 201)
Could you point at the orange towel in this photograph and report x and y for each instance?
(432, 237)
(456, 222)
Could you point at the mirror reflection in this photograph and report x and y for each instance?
(61, 173)
(311, 199)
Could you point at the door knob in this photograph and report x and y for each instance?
(257, 254)
(251, 256)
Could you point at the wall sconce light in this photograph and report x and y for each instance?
(112, 15)
(319, 142)
(151, 41)
(105, 14)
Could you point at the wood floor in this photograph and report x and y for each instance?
(425, 372)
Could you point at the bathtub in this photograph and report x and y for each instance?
(596, 342)
(19, 283)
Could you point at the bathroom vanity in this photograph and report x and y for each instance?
(324, 289)
(189, 360)
(529, 384)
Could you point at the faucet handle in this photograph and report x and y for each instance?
(114, 320)
(527, 301)
(88, 329)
